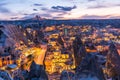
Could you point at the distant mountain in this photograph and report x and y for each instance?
(80, 22)
(37, 17)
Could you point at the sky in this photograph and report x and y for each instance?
(59, 9)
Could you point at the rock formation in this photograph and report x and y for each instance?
(113, 62)
(60, 41)
(37, 72)
(89, 69)
(79, 50)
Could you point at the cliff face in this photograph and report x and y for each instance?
(113, 61)
(79, 50)
(89, 68)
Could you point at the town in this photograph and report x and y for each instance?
(59, 52)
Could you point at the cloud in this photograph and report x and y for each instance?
(57, 18)
(62, 14)
(51, 11)
(114, 17)
(38, 4)
(28, 16)
(56, 13)
(44, 9)
(14, 18)
(2, 4)
(94, 17)
(44, 15)
(4, 10)
(63, 8)
(117, 5)
(103, 6)
(97, 6)
(99, 17)
(25, 14)
(91, 0)
(35, 10)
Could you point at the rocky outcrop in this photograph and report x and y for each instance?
(37, 72)
(79, 50)
(89, 69)
(113, 62)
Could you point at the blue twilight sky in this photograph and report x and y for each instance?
(59, 9)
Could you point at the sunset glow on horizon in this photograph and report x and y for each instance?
(59, 9)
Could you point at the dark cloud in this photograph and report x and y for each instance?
(63, 8)
(14, 18)
(94, 17)
(44, 9)
(28, 16)
(63, 13)
(46, 15)
(57, 18)
(25, 14)
(57, 13)
(51, 11)
(38, 4)
(35, 10)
